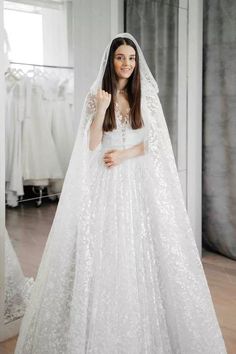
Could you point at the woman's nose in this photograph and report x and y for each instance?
(126, 61)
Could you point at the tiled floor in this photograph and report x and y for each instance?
(220, 271)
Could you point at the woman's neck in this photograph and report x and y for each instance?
(121, 84)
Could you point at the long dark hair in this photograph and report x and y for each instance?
(133, 87)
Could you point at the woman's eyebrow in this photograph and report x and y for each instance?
(131, 55)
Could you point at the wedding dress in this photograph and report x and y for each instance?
(121, 273)
(17, 286)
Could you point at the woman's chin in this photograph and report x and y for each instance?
(124, 75)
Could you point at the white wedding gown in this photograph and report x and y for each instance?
(111, 289)
(17, 286)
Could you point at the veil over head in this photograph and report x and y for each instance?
(181, 276)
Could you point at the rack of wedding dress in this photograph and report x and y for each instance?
(40, 130)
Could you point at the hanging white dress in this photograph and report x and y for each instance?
(14, 116)
(121, 273)
(39, 156)
(63, 131)
(62, 125)
(62, 128)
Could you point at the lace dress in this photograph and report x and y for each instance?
(17, 286)
(112, 289)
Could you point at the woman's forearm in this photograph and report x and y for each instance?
(96, 131)
(134, 151)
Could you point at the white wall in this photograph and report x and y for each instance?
(190, 110)
(95, 23)
(194, 114)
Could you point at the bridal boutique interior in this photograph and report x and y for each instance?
(51, 50)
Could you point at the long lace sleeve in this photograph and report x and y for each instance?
(90, 112)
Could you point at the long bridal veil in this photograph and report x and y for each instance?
(17, 286)
(57, 317)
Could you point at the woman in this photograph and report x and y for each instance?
(121, 271)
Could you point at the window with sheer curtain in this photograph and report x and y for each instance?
(24, 46)
(48, 35)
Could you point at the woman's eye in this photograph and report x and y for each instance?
(122, 58)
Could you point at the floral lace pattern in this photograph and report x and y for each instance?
(17, 286)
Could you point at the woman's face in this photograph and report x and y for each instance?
(124, 61)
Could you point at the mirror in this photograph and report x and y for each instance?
(40, 133)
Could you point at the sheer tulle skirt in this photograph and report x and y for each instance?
(125, 282)
(147, 292)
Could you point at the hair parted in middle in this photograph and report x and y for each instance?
(133, 87)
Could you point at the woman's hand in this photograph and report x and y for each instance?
(114, 157)
(103, 100)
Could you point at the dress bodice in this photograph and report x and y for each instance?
(123, 136)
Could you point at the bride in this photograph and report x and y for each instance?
(121, 271)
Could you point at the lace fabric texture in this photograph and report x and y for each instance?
(17, 287)
(121, 273)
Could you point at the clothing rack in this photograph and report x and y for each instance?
(44, 66)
